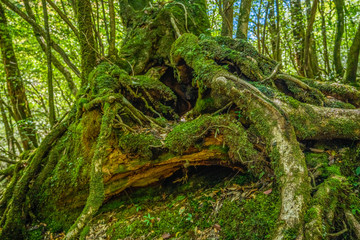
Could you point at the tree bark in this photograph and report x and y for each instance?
(353, 58)
(243, 21)
(87, 42)
(339, 4)
(227, 10)
(52, 116)
(324, 37)
(307, 64)
(112, 49)
(298, 33)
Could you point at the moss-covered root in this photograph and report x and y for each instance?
(321, 123)
(97, 192)
(326, 195)
(13, 220)
(353, 223)
(339, 91)
(269, 121)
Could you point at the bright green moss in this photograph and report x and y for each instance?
(251, 218)
(138, 144)
(185, 134)
(314, 159)
(343, 126)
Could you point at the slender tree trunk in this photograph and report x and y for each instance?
(105, 21)
(64, 71)
(278, 31)
(52, 117)
(339, 4)
(258, 17)
(227, 18)
(272, 28)
(87, 42)
(307, 68)
(324, 37)
(353, 58)
(112, 49)
(298, 32)
(264, 29)
(243, 21)
(8, 131)
(16, 87)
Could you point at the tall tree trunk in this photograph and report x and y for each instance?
(87, 42)
(324, 37)
(16, 87)
(278, 31)
(298, 33)
(243, 21)
(112, 49)
(64, 71)
(272, 28)
(52, 117)
(264, 29)
(353, 58)
(227, 17)
(307, 61)
(258, 24)
(339, 4)
(8, 131)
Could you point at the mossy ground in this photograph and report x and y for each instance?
(198, 209)
(213, 202)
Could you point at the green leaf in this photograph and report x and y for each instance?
(357, 171)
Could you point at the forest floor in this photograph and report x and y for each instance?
(206, 203)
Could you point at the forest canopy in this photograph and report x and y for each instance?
(107, 103)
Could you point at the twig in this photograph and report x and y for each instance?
(222, 109)
(272, 75)
(339, 233)
(177, 31)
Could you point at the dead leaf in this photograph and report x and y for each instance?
(181, 210)
(315, 150)
(217, 227)
(267, 192)
(166, 236)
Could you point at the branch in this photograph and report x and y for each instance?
(41, 31)
(64, 17)
(5, 159)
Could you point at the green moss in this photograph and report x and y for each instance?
(204, 105)
(314, 159)
(250, 219)
(138, 144)
(35, 234)
(311, 214)
(84, 232)
(184, 209)
(343, 126)
(267, 91)
(102, 80)
(186, 134)
(339, 104)
(290, 234)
